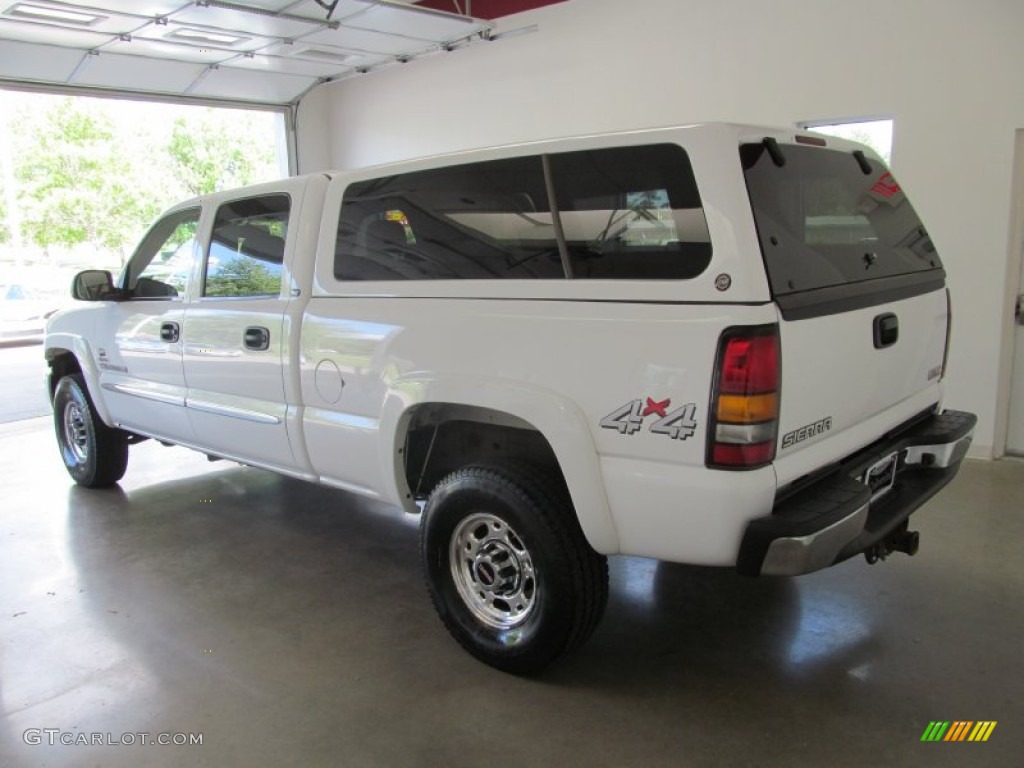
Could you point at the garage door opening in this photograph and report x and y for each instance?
(81, 179)
(877, 134)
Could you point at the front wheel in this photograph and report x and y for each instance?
(508, 568)
(94, 454)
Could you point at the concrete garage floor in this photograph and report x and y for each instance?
(288, 625)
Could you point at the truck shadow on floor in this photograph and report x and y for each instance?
(310, 557)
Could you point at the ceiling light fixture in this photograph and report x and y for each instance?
(202, 36)
(324, 55)
(46, 13)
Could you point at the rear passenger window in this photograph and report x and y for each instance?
(247, 247)
(482, 220)
(631, 213)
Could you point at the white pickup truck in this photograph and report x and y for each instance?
(715, 344)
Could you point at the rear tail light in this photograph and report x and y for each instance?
(745, 398)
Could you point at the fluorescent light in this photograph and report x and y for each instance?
(45, 13)
(202, 36)
(321, 54)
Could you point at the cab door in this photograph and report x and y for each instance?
(138, 341)
(234, 335)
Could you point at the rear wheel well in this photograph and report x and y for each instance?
(442, 437)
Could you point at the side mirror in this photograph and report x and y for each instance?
(94, 285)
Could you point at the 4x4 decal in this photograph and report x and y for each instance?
(628, 419)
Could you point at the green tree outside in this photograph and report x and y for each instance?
(75, 185)
(216, 151)
(5, 234)
(81, 174)
(243, 276)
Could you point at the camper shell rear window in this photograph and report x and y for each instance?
(831, 218)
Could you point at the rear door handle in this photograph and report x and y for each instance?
(257, 337)
(170, 332)
(887, 330)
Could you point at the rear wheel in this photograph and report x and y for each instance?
(94, 454)
(508, 568)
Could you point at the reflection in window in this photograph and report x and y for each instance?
(632, 213)
(627, 213)
(480, 220)
(403, 220)
(247, 247)
(822, 221)
(161, 266)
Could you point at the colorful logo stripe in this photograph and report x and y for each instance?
(958, 730)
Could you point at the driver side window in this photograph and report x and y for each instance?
(161, 265)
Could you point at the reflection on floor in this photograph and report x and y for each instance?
(287, 624)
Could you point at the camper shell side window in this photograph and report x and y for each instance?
(629, 213)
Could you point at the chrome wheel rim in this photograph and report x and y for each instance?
(493, 571)
(76, 435)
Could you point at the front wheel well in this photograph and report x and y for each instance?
(442, 438)
(62, 363)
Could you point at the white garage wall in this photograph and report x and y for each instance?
(950, 72)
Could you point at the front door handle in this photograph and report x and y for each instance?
(257, 337)
(170, 332)
(887, 330)
(1019, 311)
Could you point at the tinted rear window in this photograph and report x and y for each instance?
(631, 213)
(480, 220)
(247, 247)
(626, 213)
(823, 222)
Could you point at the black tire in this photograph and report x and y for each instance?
(95, 455)
(527, 588)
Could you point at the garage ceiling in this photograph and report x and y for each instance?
(254, 51)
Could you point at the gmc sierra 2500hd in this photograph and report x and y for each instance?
(714, 344)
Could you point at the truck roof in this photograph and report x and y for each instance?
(741, 133)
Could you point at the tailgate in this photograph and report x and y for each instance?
(842, 388)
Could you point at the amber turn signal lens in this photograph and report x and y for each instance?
(748, 409)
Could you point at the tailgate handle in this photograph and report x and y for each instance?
(887, 330)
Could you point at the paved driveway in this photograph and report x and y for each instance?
(22, 373)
